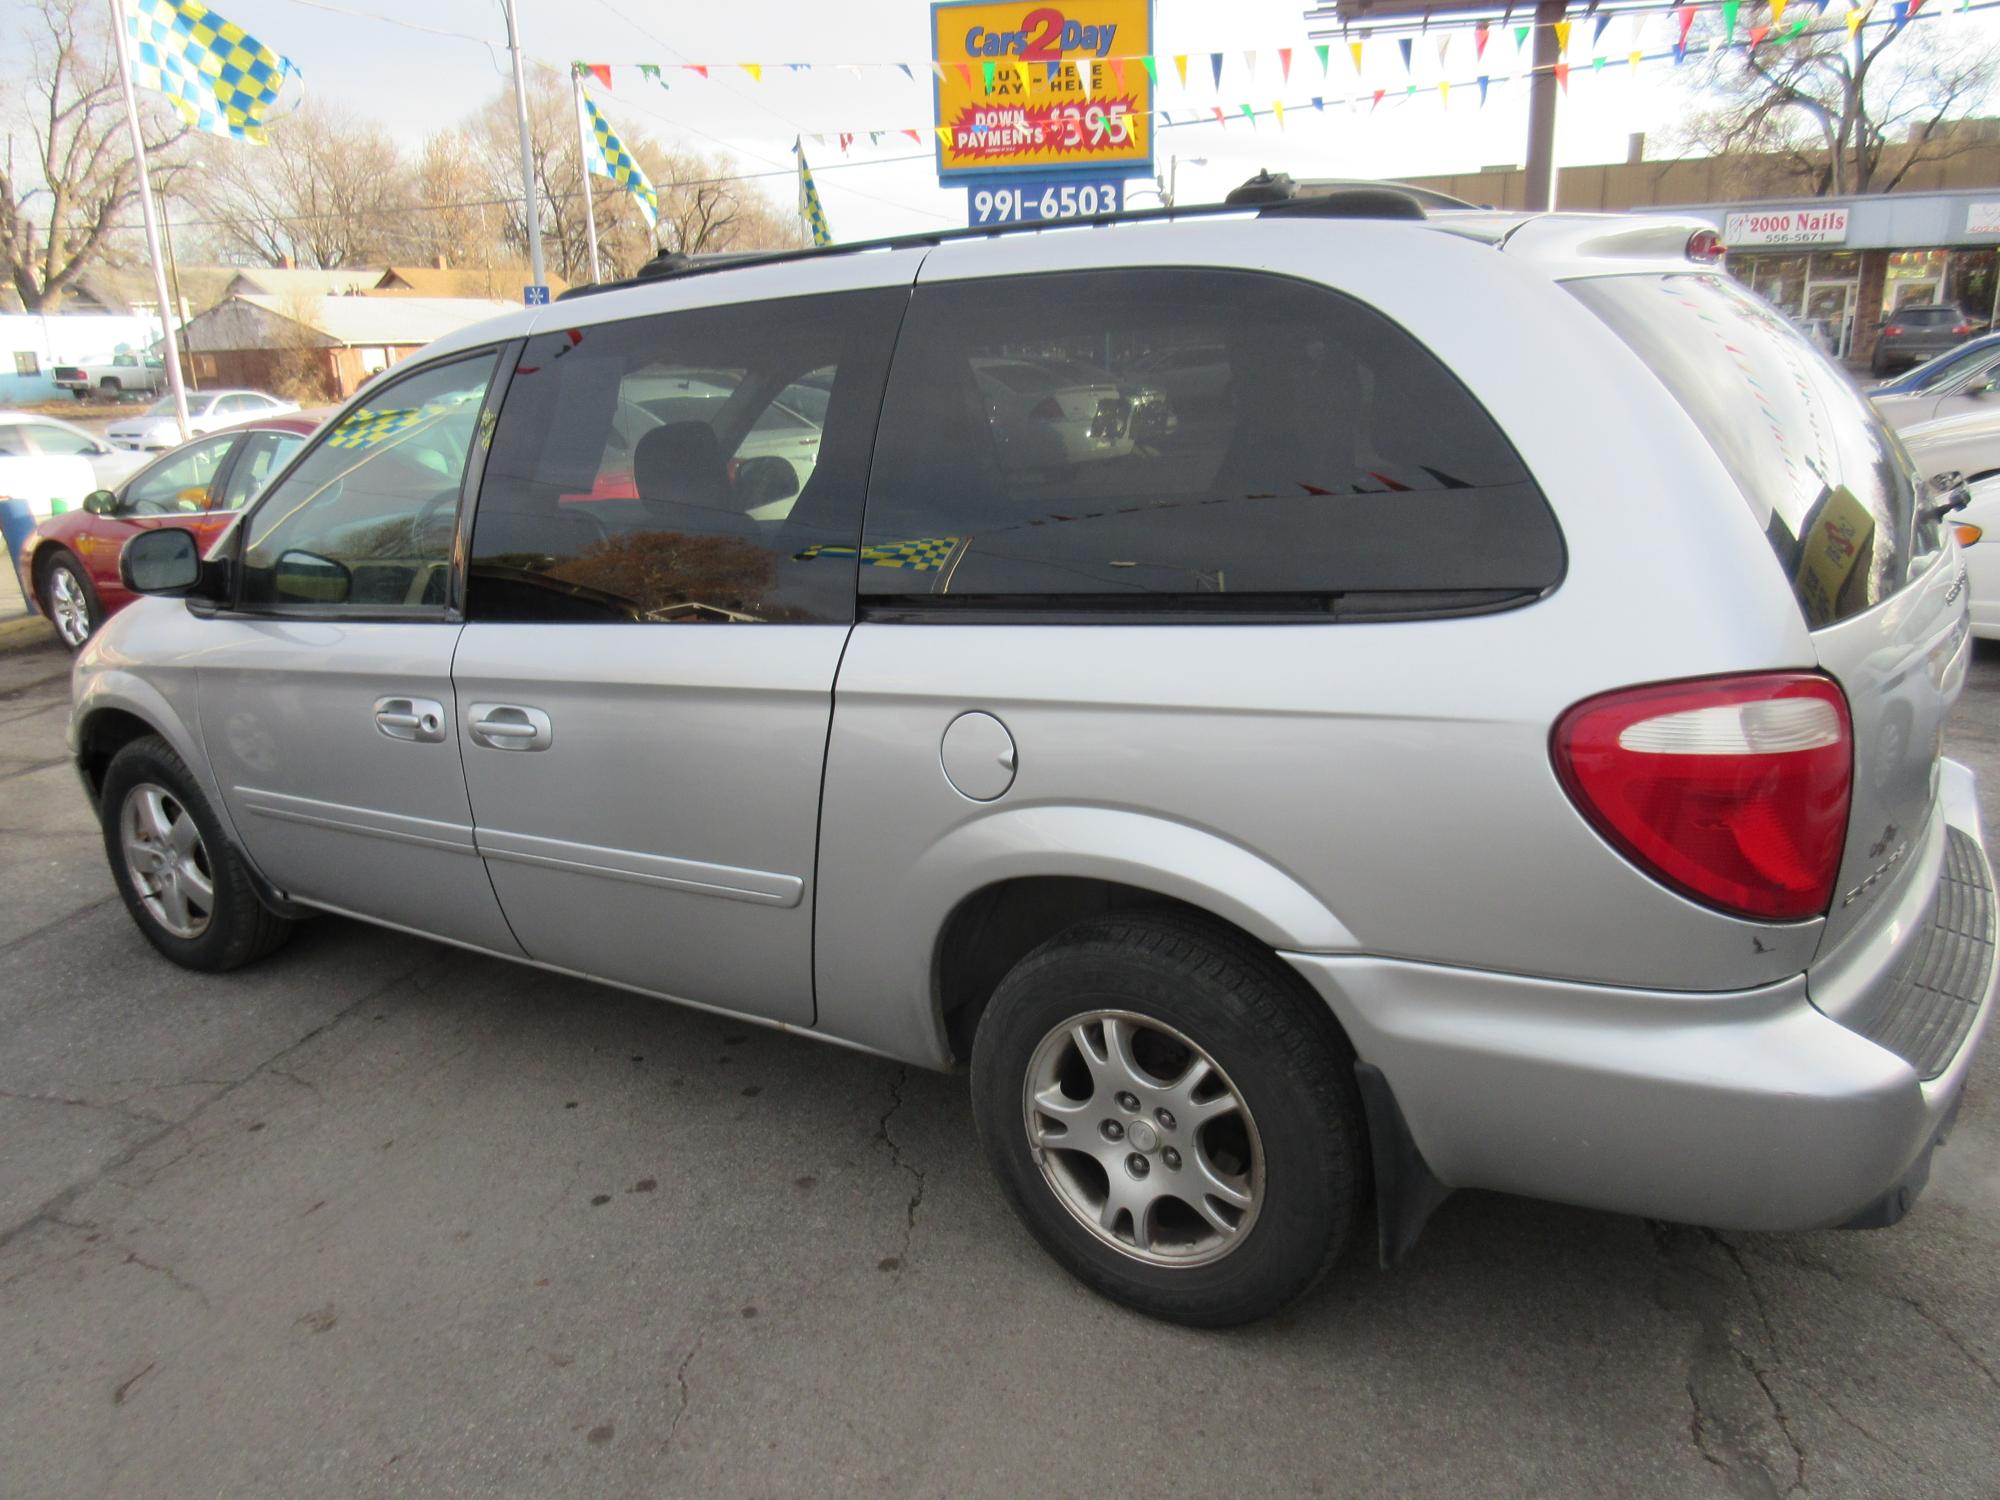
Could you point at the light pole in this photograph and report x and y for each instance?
(1170, 182)
(527, 150)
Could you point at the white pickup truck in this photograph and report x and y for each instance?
(114, 376)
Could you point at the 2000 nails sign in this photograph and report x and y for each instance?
(1038, 86)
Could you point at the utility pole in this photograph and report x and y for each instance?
(527, 150)
(169, 339)
(173, 271)
(1540, 187)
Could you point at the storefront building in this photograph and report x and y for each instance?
(1842, 266)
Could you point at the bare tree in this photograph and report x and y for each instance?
(451, 223)
(61, 213)
(697, 212)
(329, 191)
(1836, 112)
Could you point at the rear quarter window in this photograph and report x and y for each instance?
(1826, 479)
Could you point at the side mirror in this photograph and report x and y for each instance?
(308, 578)
(101, 503)
(761, 480)
(164, 561)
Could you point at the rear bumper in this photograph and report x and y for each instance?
(1750, 1110)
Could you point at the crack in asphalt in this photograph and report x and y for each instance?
(52, 1207)
(897, 1160)
(108, 1106)
(681, 1386)
(47, 927)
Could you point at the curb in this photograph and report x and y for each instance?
(26, 631)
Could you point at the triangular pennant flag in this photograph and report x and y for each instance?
(1777, 12)
(1562, 37)
(1354, 51)
(1051, 71)
(1479, 35)
(1378, 100)
(1021, 72)
(1444, 93)
(1632, 59)
(965, 72)
(874, 137)
(1797, 26)
(1598, 35)
(1729, 9)
(1215, 62)
(600, 71)
(1285, 64)
(1250, 63)
(988, 69)
(1219, 119)
(652, 71)
(944, 135)
(1180, 67)
(1278, 109)
(1562, 76)
(936, 67)
(1152, 71)
(1483, 81)
(1409, 93)
(914, 136)
(1322, 49)
(1118, 71)
(701, 68)
(846, 140)
(1085, 77)
(1757, 34)
(756, 70)
(906, 72)
(1521, 36)
(1597, 65)
(1319, 103)
(1686, 17)
(1249, 114)
(1403, 46)
(1444, 46)
(1854, 20)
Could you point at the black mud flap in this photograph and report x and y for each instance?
(1406, 1192)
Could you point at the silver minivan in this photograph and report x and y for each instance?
(1451, 700)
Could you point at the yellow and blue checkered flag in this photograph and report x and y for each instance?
(609, 158)
(220, 78)
(810, 208)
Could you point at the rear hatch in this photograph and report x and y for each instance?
(1839, 501)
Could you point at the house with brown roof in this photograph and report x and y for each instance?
(502, 282)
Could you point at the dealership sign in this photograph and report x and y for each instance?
(1982, 218)
(1786, 226)
(1036, 88)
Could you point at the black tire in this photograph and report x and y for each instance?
(111, 387)
(93, 607)
(240, 928)
(1286, 1060)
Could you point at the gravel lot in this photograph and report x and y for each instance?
(380, 1217)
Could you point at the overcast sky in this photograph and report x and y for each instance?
(414, 81)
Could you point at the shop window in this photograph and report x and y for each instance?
(26, 362)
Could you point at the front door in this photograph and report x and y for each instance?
(326, 697)
(656, 607)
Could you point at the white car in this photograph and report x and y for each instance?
(47, 462)
(1977, 528)
(208, 411)
(1969, 443)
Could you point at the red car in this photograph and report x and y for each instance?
(69, 564)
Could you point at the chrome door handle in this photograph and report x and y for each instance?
(507, 726)
(419, 719)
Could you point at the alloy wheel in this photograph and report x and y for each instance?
(1143, 1138)
(69, 606)
(167, 861)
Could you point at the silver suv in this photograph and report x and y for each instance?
(1317, 707)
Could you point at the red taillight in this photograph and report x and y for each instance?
(1893, 328)
(1048, 409)
(1733, 791)
(1705, 246)
(1963, 328)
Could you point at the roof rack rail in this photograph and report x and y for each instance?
(1267, 195)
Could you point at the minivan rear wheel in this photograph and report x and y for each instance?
(1169, 1117)
(184, 883)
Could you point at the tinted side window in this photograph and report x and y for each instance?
(705, 466)
(53, 439)
(367, 518)
(264, 453)
(1152, 438)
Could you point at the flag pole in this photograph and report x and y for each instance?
(584, 136)
(527, 150)
(169, 339)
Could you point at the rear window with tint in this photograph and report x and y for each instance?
(1925, 317)
(1166, 440)
(1828, 482)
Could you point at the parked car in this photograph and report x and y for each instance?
(1919, 331)
(1968, 444)
(52, 465)
(208, 411)
(112, 377)
(1356, 797)
(69, 565)
(1951, 385)
(1977, 529)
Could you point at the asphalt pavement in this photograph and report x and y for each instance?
(380, 1217)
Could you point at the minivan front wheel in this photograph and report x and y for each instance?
(1169, 1118)
(185, 885)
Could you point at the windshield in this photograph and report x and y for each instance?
(163, 407)
(1935, 372)
(1829, 484)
